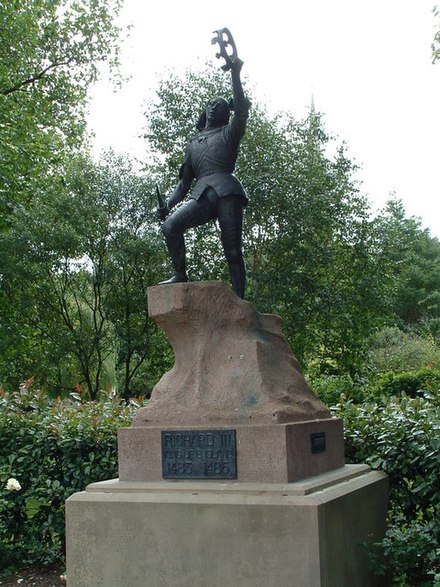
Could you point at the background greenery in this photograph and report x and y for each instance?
(53, 448)
(400, 435)
(359, 294)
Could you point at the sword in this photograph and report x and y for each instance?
(162, 207)
(160, 199)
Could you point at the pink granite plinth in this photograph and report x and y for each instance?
(276, 453)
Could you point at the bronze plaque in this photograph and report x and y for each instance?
(199, 454)
(317, 440)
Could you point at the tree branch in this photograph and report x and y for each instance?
(35, 77)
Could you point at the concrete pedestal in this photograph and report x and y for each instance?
(217, 534)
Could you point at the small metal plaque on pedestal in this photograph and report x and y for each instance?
(317, 440)
(199, 454)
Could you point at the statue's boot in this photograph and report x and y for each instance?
(176, 248)
(177, 278)
(237, 273)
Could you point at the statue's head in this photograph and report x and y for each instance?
(216, 113)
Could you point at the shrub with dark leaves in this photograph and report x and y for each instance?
(401, 436)
(49, 449)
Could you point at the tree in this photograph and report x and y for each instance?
(49, 52)
(78, 267)
(436, 41)
(414, 257)
(309, 243)
(315, 259)
(136, 256)
(49, 56)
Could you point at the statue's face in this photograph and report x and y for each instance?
(217, 113)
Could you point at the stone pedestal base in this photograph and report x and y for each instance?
(200, 533)
(277, 453)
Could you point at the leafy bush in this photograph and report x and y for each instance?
(335, 388)
(401, 436)
(52, 448)
(412, 383)
(332, 388)
(393, 349)
(411, 549)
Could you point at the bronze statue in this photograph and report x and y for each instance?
(210, 159)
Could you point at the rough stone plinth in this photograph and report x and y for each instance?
(233, 365)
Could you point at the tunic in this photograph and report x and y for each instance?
(211, 156)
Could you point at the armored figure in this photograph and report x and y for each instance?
(210, 159)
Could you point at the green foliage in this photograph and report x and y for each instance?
(74, 286)
(49, 51)
(401, 436)
(44, 80)
(436, 41)
(414, 259)
(393, 349)
(331, 388)
(411, 550)
(375, 388)
(412, 383)
(52, 448)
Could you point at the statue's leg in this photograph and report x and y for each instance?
(192, 213)
(230, 218)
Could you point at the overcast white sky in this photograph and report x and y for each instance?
(367, 62)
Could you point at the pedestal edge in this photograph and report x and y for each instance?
(303, 487)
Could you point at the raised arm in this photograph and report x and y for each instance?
(228, 51)
(241, 103)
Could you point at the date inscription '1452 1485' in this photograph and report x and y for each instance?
(199, 454)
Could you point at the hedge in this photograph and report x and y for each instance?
(401, 436)
(52, 448)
